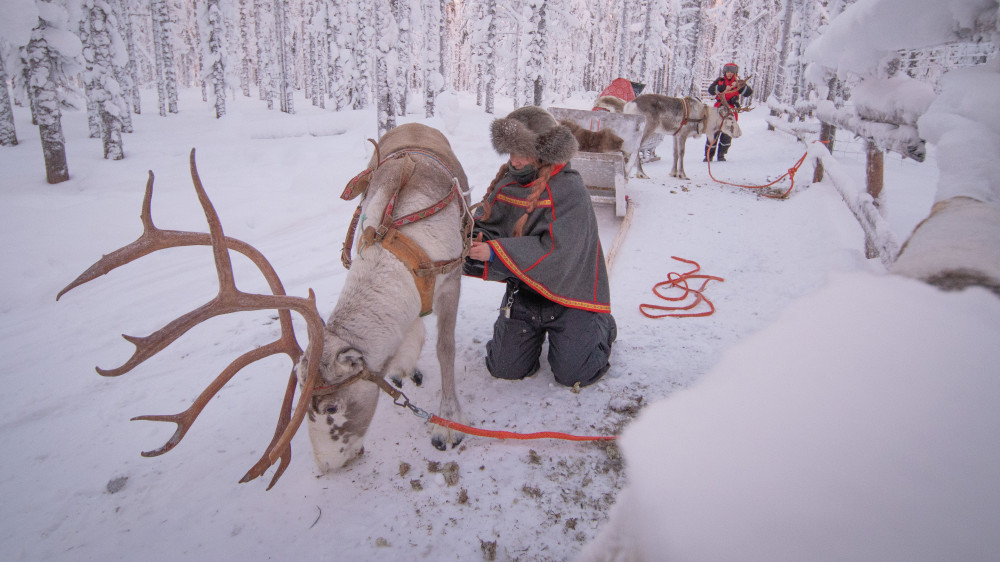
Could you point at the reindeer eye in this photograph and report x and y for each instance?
(331, 409)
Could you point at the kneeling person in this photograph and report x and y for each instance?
(541, 238)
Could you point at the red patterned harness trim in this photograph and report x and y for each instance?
(423, 213)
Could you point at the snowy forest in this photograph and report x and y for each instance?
(396, 54)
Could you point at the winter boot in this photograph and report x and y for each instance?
(724, 142)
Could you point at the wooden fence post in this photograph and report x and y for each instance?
(827, 134)
(874, 168)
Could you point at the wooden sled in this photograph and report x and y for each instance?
(606, 173)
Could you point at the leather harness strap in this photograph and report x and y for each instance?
(423, 270)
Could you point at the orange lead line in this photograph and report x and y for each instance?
(680, 281)
(510, 435)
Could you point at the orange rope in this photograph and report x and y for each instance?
(790, 174)
(680, 281)
(510, 435)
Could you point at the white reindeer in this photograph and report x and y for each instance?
(408, 262)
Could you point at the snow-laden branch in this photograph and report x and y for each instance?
(878, 235)
(899, 138)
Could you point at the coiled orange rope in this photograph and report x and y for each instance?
(680, 281)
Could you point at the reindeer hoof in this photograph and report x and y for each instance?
(418, 377)
(397, 380)
(439, 444)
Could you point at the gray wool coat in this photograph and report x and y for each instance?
(560, 255)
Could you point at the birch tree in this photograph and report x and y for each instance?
(404, 50)
(47, 67)
(387, 34)
(266, 63)
(490, 56)
(246, 61)
(285, 64)
(434, 18)
(103, 91)
(93, 119)
(214, 57)
(131, 71)
(537, 42)
(8, 136)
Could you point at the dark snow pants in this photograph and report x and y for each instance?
(722, 141)
(579, 341)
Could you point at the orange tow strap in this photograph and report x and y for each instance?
(680, 281)
(510, 435)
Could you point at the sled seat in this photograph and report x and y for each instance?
(606, 174)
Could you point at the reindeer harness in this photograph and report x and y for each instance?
(387, 233)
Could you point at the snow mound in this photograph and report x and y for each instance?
(861, 425)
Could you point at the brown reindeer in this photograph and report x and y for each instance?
(407, 263)
(678, 117)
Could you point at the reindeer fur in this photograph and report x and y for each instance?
(604, 140)
(376, 322)
(664, 116)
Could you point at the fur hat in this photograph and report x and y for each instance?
(531, 131)
(731, 67)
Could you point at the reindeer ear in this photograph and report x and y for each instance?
(351, 360)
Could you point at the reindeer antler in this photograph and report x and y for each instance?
(229, 299)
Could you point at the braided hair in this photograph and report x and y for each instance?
(537, 187)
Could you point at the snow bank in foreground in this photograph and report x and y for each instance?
(861, 425)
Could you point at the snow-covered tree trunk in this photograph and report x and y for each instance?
(385, 51)
(404, 51)
(537, 43)
(195, 46)
(131, 68)
(443, 45)
(163, 38)
(341, 60)
(433, 79)
(161, 83)
(93, 116)
(8, 136)
(246, 63)
(491, 56)
(623, 39)
(100, 76)
(784, 48)
(215, 55)
(263, 30)
(43, 90)
(283, 38)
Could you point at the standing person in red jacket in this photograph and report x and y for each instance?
(726, 88)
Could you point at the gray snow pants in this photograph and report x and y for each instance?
(579, 340)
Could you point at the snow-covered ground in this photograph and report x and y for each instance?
(75, 488)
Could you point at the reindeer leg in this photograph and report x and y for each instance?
(639, 173)
(404, 361)
(446, 307)
(680, 142)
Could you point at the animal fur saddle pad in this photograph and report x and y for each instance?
(409, 137)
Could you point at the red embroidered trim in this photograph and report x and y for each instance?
(541, 289)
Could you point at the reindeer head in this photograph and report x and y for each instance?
(721, 119)
(339, 414)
